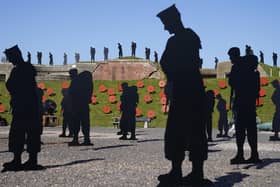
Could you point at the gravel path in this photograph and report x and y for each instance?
(112, 162)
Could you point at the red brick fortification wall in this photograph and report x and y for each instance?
(125, 70)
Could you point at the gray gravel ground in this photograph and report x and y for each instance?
(112, 162)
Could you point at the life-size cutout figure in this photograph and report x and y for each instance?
(223, 120)
(245, 82)
(276, 117)
(26, 126)
(210, 103)
(180, 62)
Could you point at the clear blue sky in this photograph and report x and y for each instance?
(70, 26)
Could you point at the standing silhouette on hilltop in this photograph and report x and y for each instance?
(133, 49)
(64, 59)
(28, 57)
(39, 57)
(245, 82)
(274, 58)
(185, 129)
(276, 117)
(92, 54)
(51, 59)
(106, 53)
(26, 126)
(120, 50)
(261, 57)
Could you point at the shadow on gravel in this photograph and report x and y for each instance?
(73, 163)
(150, 140)
(4, 151)
(107, 147)
(222, 140)
(265, 162)
(213, 150)
(230, 179)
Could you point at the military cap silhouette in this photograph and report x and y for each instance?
(169, 14)
(234, 51)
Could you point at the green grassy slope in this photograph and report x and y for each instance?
(98, 118)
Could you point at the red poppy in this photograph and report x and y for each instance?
(111, 91)
(41, 85)
(161, 83)
(102, 88)
(118, 106)
(94, 100)
(264, 81)
(259, 102)
(165, 108)
(148, 98)
(163, 100)
(140, 84)
(44, 98)
(120, 88)
(216, 92)
(2, 108)
(151, 114)
(222, 84)
(151, 89)
(262, 92)
(65, 84)
(138, 112)
(106, 109)
(162, 94)
(112, 99)
(50, 91)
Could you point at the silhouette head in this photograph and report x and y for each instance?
(171, 19)
(275, 83)
(14, 55)
(73, 72)
(124, 85)
(234, 54)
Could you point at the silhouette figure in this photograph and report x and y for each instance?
(245, 82)
(276, 118)
(147, 53)
(92, 54)
(28, 57)
(123, 123)
(223, 121)
(64, 59)
(106, 52)
(156, 56)
(51, 59)
(185, 129)
(77, 57)
(66, 109)
(210, 103)
(261, 57)
(120, 50)
(248, 50)
(216, 62)
(133, 49)
(26, 126)
(80, 91)
(39, 57)
(274, 58)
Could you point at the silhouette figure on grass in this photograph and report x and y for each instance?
(210, 103)
(185, 129)
(39, 57)
(106, 53)
(80, 92)
(133, 49)
(77, 57)
(129, 101)
(223, 120)
(28, 57)
(51, 59)
(147, 53)
(92, 54)
(245, 82)
(276, 117)
(26, 126)
(261, 57)
(66, 108)
(64, 59)
(274, 58)
(156, 56)
(120, 50)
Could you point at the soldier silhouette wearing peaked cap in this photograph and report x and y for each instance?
(180, 62)
(26, 126)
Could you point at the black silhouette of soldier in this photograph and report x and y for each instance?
(120, 50)
(274, 58)
(216, 62)
(124, 86)
(245, 82)
(64, 59)
(133, 49)
(80, 91)
(51, 59)
(28, 57)
(66, 109)
(156, 56)
(223, 120)
(77, 57)
(106, 53)
(39, 57)
(185, 129)
(210, 103)
(26, 126)
(92, 54)
(261, 57)
(276, 117)
(147, 53)
(248, 50)
(129, 101)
